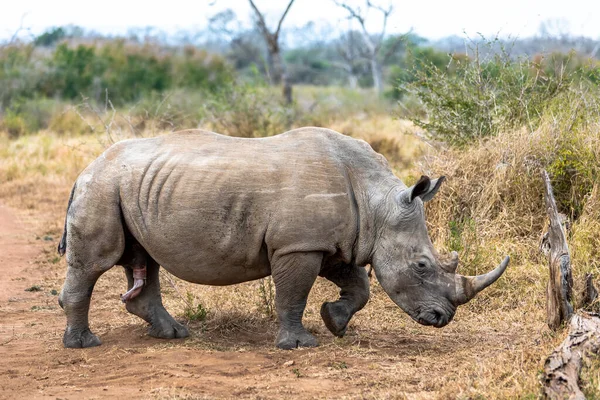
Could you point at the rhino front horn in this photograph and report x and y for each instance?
(469, 286)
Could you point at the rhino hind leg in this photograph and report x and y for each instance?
(293, 275)
(94, 245)
(74, 299)
(147, 304)
(354, 294)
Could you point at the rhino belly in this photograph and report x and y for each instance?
(198, 246)
(216, 274)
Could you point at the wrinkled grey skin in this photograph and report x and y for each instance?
(218, 210)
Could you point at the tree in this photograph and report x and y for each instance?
(277, 72)
(374, 52)
(348, 48)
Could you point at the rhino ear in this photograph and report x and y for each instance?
(425, 188)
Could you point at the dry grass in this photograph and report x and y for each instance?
(490, 206)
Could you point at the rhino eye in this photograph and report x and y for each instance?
(422, 269)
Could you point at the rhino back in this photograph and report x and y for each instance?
(214, 209)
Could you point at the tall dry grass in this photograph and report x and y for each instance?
(491, 205)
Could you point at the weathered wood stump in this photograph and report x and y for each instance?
(562, 368)
(560, 286)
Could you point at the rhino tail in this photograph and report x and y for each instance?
(62, 246)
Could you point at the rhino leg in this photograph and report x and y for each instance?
(294, 275)
(354, 294)
(75, 299)
(94, 245)
(148, 304)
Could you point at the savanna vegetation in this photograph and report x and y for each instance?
(488, 119)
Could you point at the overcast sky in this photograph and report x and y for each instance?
(430, 18)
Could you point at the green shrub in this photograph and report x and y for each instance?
(194, 312)
(248, 110)
(124, 72)
(14, 124)
(473, 98)
(19, 73)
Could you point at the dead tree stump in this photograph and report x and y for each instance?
(559, 291)
(562, 368)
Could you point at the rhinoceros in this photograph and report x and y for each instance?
(219, 210)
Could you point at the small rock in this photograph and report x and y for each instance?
(288, 363)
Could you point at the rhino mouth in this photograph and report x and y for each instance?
(433, 317)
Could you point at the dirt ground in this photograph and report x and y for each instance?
(238, 359)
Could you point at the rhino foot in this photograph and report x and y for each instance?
(288, 340)
(336, 317)
(80, 339)
(168, 329)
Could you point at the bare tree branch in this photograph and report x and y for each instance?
(283, 17)
(263, 25)
(19, 29)
(372, 42)
(355, 14)
(386, 13)
(276, 63)
(395, 45)
(261, 21)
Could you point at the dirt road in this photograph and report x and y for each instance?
(33, 363)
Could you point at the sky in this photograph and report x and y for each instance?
(432, 19)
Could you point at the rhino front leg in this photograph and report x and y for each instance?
(148, 304)
(294, 275)
(354, 294)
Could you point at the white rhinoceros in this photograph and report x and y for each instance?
(218, 210)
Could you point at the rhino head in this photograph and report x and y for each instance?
(410, 270)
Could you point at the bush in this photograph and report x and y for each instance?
(493, 201)
(474, 98)
(123, 71)
(248, 110)
(13, 124)
(19, 73)
(68, 122)
(193, 312)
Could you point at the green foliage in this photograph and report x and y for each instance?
(73, 71)
(573, 172)
(19, 74)
(32, 82)
(474, 98)
(193, 312)
(417, 62)
(54, 35)
(248, 110)
(14, 124)
(28, 115)
(126, 72)
(50, 37)
(310, 66)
